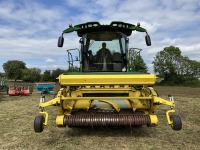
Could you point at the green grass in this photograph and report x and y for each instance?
(17, 114)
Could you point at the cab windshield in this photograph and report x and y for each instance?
(104, 52)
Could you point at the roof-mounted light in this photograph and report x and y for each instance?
(95, 25)
(114, 25)
(120, 25)
(138, 24)
(70, 25)
(89, 25)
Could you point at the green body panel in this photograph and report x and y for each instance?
(87, 27)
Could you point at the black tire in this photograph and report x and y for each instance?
(38, 123)
(176, 122)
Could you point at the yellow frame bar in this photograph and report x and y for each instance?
(51, 102)
(103, 98)
(168, 117)
(46, 117)
(108, 79)
(163, 101)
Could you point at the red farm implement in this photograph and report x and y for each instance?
(19, 90)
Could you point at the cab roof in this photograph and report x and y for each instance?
(116, 26)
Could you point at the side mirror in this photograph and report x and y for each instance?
(148, 40)
(60, 41)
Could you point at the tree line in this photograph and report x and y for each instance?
(17, 70)
(169, 64)
(176, 69)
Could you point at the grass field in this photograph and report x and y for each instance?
(17, 115)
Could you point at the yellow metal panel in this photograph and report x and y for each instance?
(59, 120)
(107, 79)
(68, 104)
(154, 120)
(82, 104)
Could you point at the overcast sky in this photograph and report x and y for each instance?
(29, 29)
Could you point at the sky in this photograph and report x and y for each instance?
(29, 29)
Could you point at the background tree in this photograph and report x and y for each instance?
(136, 62)
(31, 75)
(47, 76)
(175, 68)
(56, 73)
(13, 69)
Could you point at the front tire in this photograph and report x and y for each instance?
(38, 124)
(176, 122)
